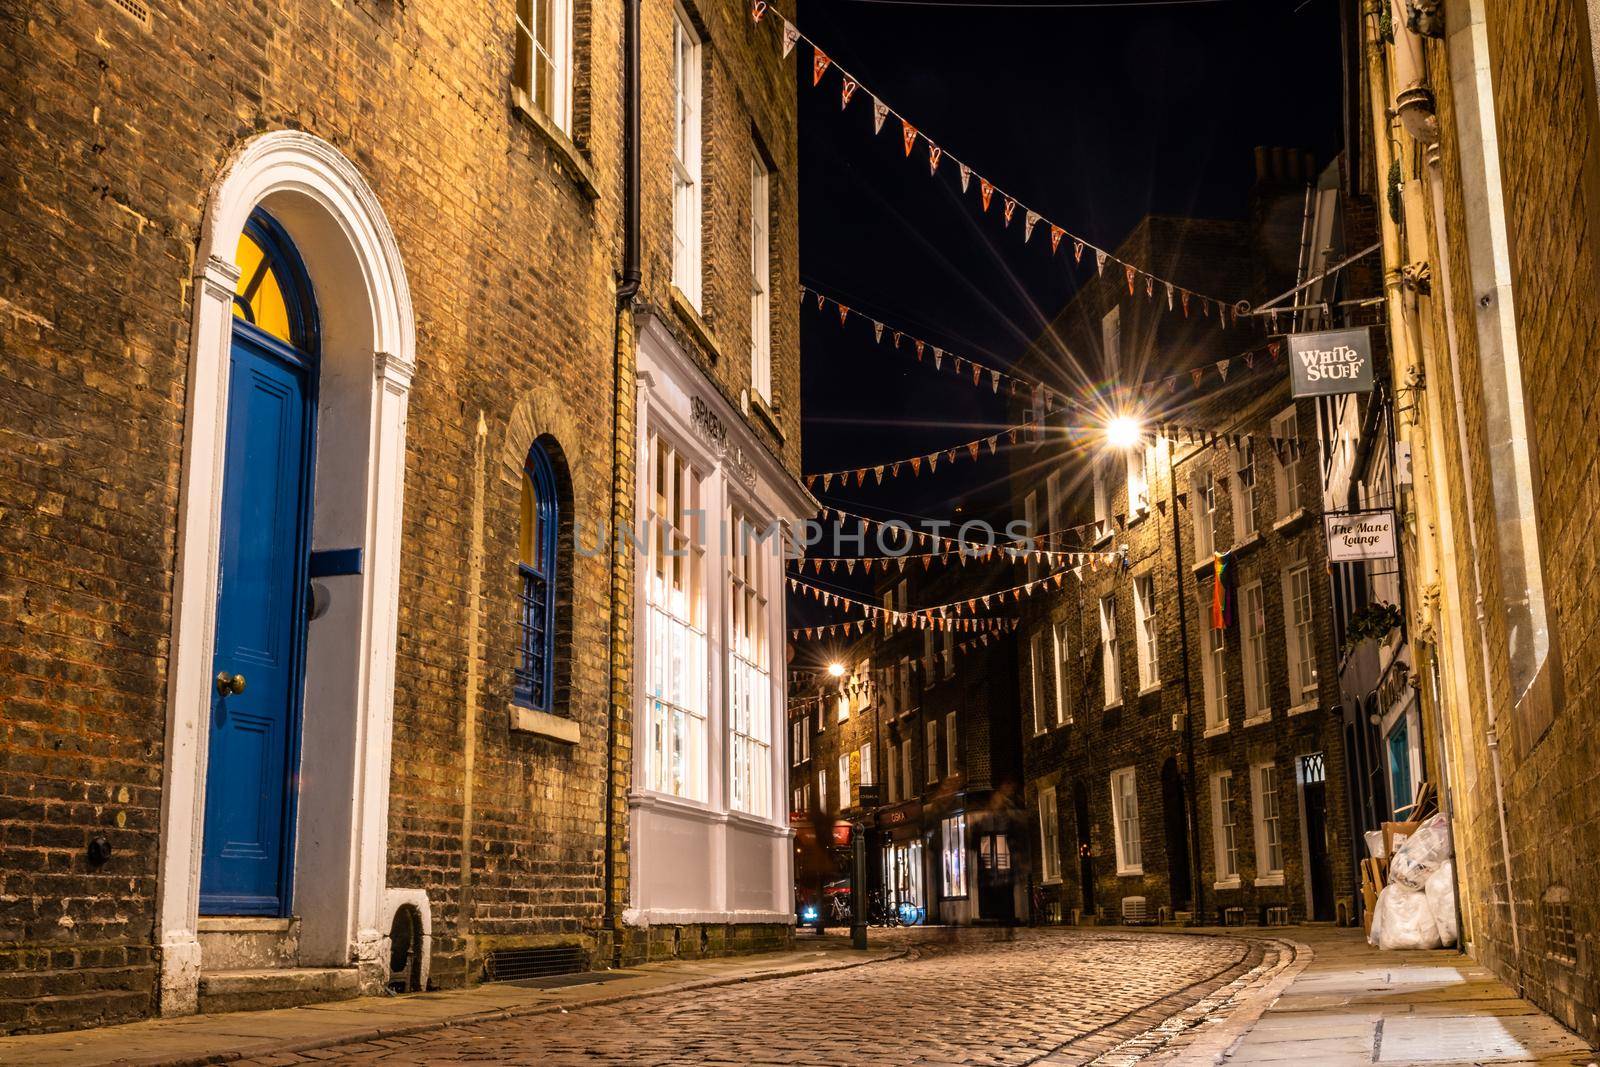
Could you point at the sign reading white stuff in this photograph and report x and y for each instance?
(1358, 535)
(1331, 362)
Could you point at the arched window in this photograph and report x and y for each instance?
(536, 563)
(273, 293)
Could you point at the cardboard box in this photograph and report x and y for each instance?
(1394, 833)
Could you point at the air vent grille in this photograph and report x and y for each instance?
(515, 964)
(134, 9)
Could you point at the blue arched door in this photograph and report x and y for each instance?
(258, 664)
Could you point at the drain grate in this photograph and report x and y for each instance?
(517, 964)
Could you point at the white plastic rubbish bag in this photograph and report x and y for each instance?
(1421, 854)
(1375, 844)
(1401, 919)
(1441, 893)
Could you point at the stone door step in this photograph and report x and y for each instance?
(278, 987)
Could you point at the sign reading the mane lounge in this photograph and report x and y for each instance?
(1330, 362)
(1359, 535)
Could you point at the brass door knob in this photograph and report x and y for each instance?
(230, 683)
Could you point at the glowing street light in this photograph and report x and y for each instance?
(836, 670)
(1123, 431)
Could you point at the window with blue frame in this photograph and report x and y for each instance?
(1400, 767)
(537, 559)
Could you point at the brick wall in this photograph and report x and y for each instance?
(117, 133)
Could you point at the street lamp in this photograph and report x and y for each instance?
(836, 669)
(1124, 432)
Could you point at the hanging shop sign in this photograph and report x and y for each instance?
(1359, 535)
(1331, 362)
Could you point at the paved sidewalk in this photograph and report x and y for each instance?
(1343, 1002)
(197, 1039)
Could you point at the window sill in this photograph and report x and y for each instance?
(1051, 881)
(1231, 883)
(569, 157)
(691, 317)
(1289, 520)
(1301, 709)
(1115, 705)
(1137, 517)
(767, 414)
(1130, 872)
(1257, 720)
(1153, 687)
(1103, 537)
(1270, 879)
(1249, 542)
(543, 724)
(1216, 731)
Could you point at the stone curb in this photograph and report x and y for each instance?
(496, 1015)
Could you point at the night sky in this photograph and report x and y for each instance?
(1095, 116)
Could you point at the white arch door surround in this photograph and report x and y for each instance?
(367, 364)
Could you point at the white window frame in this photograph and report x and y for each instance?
(1147, 633)
(1253, 650)
(1267, 810)
(760, 278)
(1286, 474)
(1061, 636)
(688, 147)
(930, 731)
(1243, 488)
(1110, 651)
(907, 779)
(677, 710)
(1213, 667)
(748, 637)
(1203, 513)
(950, 744)
(1126, 829)
(1030, 516)
(1300, 642)
(1049, 837)
(1224, 831)
(865, 755)
(1138, 480)
(555, 103)
(844, 780)
(1036, 673)
(822, 788)
(842, 708)
(1102, 496)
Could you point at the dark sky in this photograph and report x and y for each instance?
(1095, 116)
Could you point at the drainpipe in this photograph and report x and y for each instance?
(621, 426)
(1188, 696)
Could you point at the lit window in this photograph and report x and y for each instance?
(953, 847)
(1144, 607)
(1301, 643)
(538, 533)
(1224, 828)
(1110, 654)
(1269, 848)
(1138, 483)
(1049, 836)
(760, 281)
(1125, 814)
(543, 71)
(844, 781)
(686, 77)
(676, 648)
(1253, 643)
(1214, 666)
(749, 659)
(822, 789)
(273, 293)
(866, 763)
(1102, 497)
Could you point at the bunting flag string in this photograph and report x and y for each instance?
(916, 618)
(864, 681)
(985, 376)
(911, 134)
(968, 450)
(968, 552)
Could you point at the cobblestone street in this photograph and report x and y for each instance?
(993, 1003)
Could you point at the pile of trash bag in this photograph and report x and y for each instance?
(1417, 909)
